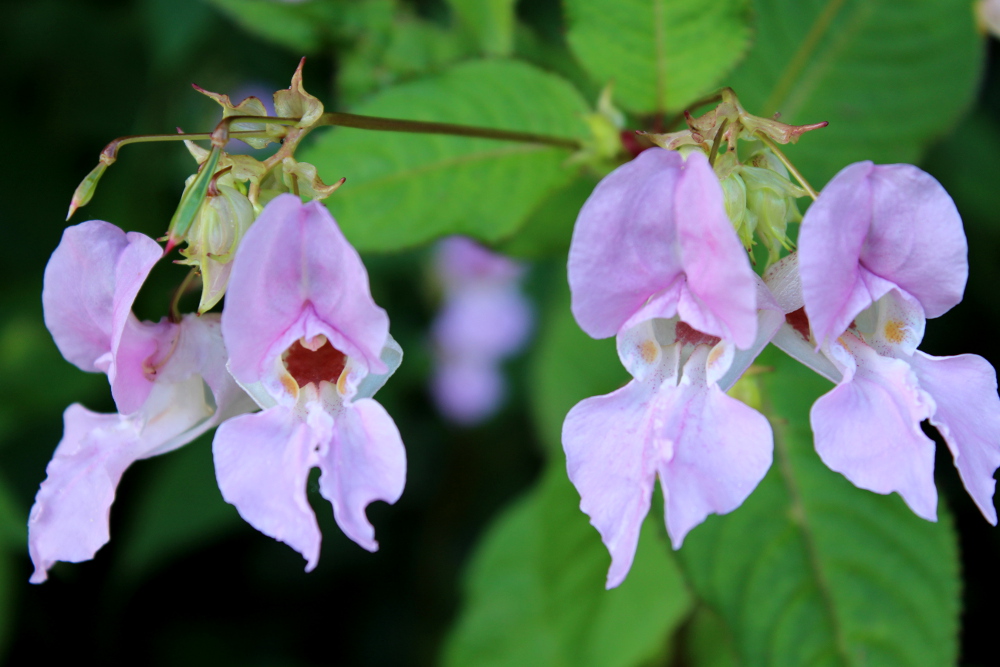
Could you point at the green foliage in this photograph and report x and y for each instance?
(300, 27)
(490, 22)
(660, 54)
(535, 591)
(813, 571)
(889, 77)
(404, 189)
(549, 228)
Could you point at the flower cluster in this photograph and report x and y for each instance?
(484, 318)
(656, 260)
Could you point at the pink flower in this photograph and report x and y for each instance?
(158, 374)
(307, 341)
(655, 260)
(485, 318)
(881, 250)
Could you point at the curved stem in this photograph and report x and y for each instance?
(110, 152)
(788, 165)
(175, 313)
(423, 127)
(717, 142)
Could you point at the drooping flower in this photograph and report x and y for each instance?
(307, 341)
(484, 319)
(655, 261)
(158, 373)
(881, 250)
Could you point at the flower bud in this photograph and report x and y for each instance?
(771, 200)
(214, 236)
(734, 196)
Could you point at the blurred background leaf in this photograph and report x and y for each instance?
(490, 22)
(889, 77)
(406, 189)
(659, 55)
(811, 570)
(535, 591)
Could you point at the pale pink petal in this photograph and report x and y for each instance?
(295, 275)
(719, 299)
(612, 452)
(262, 464)
(868, 429)
(139, 349)
(770, 319)
(721, 450)
(624, 246)
(69, 521)
(459, 260)
(874, 228)
(90, 282)
(967, 414)
(488, 321)
(365, 461)
(467, 392)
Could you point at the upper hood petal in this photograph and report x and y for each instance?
(296, 275)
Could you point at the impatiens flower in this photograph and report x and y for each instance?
(158, 374)
(485, 318)
(655, 260)
(307, 341)
(881, 250)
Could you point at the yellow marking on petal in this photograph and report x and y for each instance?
(714, 354)
(895, 331)
(290, 385)
(342, 382)
(648, 351)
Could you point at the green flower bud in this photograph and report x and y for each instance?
(771, 200)
(214, 236)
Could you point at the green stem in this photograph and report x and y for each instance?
(717, 142)
(422, 127)
(110, 152)
(788, 165)
(175, 302)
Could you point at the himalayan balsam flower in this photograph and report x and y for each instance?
(157, 372)
(307, 341)
(655, 260)
(881, 250)
(484, 319)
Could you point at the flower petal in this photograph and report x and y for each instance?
(294, 276)
(624, 246)
(719, 299)
(874, 228)
(467, 391)
(90, 283)
(722, 448)
(868, 429)
(262, 463)
(365, 461)
(612, 451)
(967, 414)
(69, 521)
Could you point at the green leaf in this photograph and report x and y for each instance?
(405, 189)
(548, 229)
(535, 591)
(660, 54)
(568, 366)
(490, 22)
(813, 571)
(179, 510)
(299, 27)
(890, 77)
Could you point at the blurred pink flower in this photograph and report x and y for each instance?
(307, 341)
(655, 260)
(157, 372)
(484, 319)
(881, 250)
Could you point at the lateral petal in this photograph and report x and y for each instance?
(722, 448)
(365, 461)
(964, 389)
(262, 464)
(612, 452)
(868, 429)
